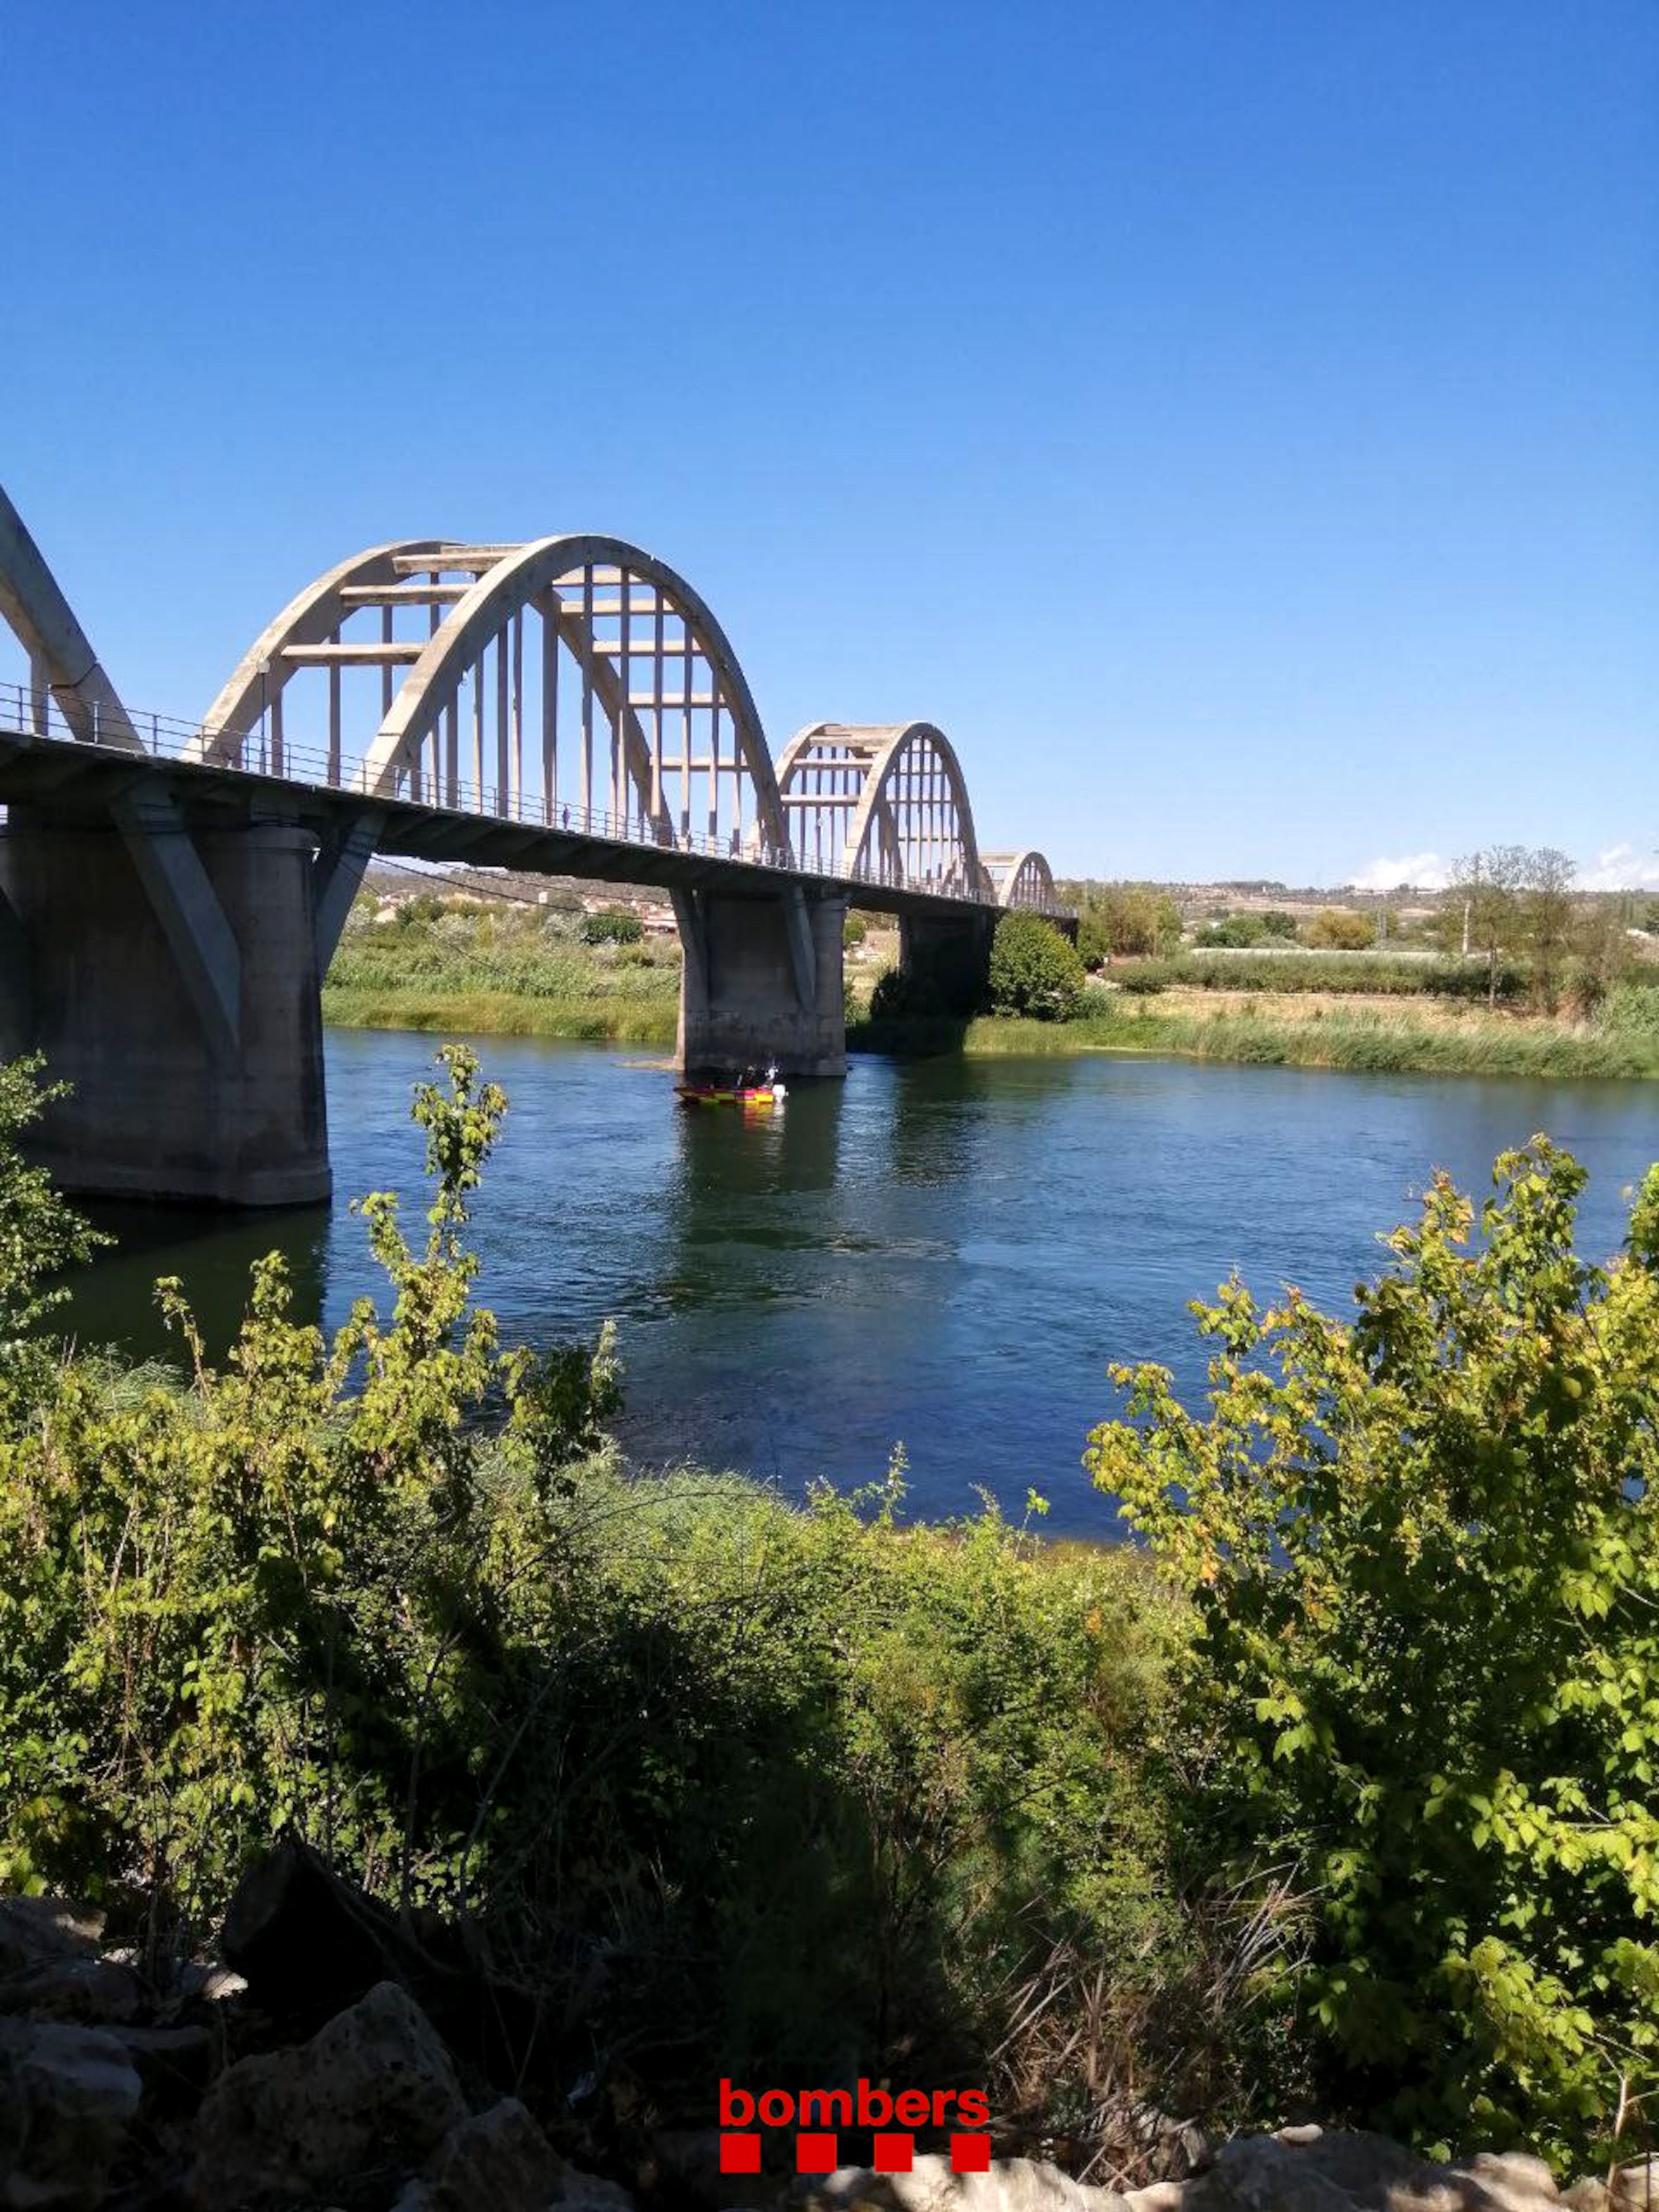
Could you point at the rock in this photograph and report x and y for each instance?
(68, 2096)
(684, 2164)
(1012, 2184)
(98, 1992)
(501, 2159)
(1336, 2170)
(174, 2065)
(1158, 2197)
(1517, 2181)
(591, 2192)
(1589, 2194)
(34, 1930)
(1635, 2188)
(304, 1941)
(373, 2094)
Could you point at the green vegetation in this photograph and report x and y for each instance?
(1623, 1040)
(1370, 974)
(1338, 1792)
(1117, 922)
(1240, 931)
(1339, 929)
(612, 925)
(1035, 970)
(1423, 1554)
(502, 968)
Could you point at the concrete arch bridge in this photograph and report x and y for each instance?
(173, 890)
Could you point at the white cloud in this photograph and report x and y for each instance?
(1424, 871)
(1621, 868)
(1617, 868)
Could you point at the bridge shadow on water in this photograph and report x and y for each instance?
(212, 1250)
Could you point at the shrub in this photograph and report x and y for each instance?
(1424, 1556)
(614, 925)
(1127, 920)
(854, 929)
(900, 996)
(1035, 970)
(1236, 932)
(1339, 929)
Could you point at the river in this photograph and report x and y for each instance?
(944, 1253)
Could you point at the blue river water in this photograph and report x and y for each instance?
(945, 1254)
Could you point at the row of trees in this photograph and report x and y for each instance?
(1515, 905)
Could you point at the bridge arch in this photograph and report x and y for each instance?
(884, 803)
(1021, 879)
(687, 756)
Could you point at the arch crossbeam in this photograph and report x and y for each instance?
(574, 680)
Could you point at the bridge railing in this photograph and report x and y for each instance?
(265, 757)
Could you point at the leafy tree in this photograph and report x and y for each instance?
(1234, 933)
(1126, 921)
(854, 929)
(1339, 929)
(613, 926)
(1485, 897)
(1424, 1554)
(1548, 917)
(1035, 969)
(40, 1234)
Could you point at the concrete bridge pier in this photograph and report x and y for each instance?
(951, 951)
(168, 970)
(761, 981)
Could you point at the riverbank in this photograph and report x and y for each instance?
(502, 970)
(1442, 1039)
(596, 1018)
(513, 971)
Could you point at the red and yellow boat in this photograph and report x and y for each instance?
(754, 1098)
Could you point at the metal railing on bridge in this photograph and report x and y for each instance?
(125, 732)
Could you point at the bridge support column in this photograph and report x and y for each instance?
(173, 980)
(761, 982)
(952, 953)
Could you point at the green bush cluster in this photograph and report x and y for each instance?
(1423, 1552)
(1371, 975)
(612, 925)
(1035, 969)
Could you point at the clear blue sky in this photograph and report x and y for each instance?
(1236, 421)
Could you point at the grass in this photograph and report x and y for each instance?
(1435, 1040)
(500, 971)
(1372, 973)
(503, 1013)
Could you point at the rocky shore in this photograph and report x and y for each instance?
(196, 2089)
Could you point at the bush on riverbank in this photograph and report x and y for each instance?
(1373, 975)
(1424, 1554)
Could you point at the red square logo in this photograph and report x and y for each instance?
(893, 2153)
(815, 2153)
(970, 2153)
(739, 2154)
